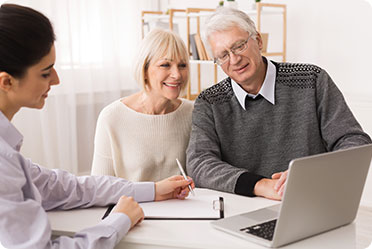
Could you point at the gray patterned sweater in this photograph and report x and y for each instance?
(230, 148)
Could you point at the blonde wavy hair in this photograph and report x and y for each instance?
(159, 43)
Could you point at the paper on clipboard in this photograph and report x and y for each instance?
(204, 207)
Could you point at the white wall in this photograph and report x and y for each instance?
(334, 34)
(337, 36)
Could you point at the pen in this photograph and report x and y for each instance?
(184, 175)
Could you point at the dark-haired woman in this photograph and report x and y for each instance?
(27, 57)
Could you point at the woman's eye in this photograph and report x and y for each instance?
(183, 65)
(165, 65)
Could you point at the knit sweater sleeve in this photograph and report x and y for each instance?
(204, 160)
(339, 128)
(102, 158)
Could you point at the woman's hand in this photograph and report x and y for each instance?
(127, 205)
(174, 187)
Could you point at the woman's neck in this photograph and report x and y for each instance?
(7, 110)
(156, 106)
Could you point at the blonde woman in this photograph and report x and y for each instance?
(140, 136)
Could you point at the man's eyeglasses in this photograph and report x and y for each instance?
(237, 49)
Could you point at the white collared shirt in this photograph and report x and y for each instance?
(267, 89)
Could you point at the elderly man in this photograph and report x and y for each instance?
(248, 127)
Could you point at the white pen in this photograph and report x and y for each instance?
(184, 175)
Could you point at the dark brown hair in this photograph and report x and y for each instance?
(26, 36)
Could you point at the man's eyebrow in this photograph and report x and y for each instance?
(237, 43)
(232, 45)
(48, 67)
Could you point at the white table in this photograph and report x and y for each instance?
(200, 234)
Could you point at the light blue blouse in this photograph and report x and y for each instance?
(28, 190)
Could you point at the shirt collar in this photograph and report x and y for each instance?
(9, 133)
(267, 89)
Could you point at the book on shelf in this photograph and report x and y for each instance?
(200, 47)
(194, 50)
(206, 56)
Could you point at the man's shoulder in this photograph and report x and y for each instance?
(289, 67)
(218, 93)
(299, 75)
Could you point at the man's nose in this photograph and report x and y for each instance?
(234, 58)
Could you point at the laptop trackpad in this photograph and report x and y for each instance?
(264, 214)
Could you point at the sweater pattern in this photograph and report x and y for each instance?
(294, 75)
(219, 93)
(297, 75)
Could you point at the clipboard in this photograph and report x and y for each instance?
(203, 207)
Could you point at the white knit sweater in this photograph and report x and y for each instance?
(141, 147)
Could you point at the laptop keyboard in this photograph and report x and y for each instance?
(264, 230)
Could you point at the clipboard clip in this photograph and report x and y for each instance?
(218, 204)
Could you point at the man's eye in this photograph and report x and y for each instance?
(224, 56)
(238, 47)
(46, 75)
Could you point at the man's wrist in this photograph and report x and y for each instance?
(246, 183)
(258, 187)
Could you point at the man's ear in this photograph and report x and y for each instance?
(6, 81)
(259, 41)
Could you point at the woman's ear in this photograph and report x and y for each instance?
(6, 81)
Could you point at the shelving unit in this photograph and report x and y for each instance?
(283, 8)
(195, 12)
(188, 13)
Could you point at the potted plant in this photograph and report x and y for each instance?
(254, 5)
(231, 4)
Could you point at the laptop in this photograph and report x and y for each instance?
(322, 193)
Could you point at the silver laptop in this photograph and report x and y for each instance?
(322, 193)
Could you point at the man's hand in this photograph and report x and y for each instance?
(173, 187)
(265, 188)
(128, 206)
(280, 184)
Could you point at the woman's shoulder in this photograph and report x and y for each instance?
(112, 108)
(188, 105)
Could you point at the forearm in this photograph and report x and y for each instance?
(63, 190)
(212, 172)
(246, 184)
(30, 218)
(209, 171)
(105, 234)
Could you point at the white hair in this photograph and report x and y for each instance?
(226, 18)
